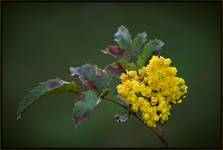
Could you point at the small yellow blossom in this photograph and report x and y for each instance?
(152, 90)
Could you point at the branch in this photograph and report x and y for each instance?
(155, 131)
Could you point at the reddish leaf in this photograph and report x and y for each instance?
(115, 51)
(115, 68)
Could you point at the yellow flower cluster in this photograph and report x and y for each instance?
(152, 90)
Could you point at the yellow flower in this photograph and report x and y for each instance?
(152, 90)
(134, 108)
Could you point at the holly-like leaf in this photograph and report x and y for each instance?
(88, 101)
(44, 89)
(119, 67)
(138, 41)
(147, 51)
(91, 76)
(123, 38)
(121, 117)
(116, 68)
(115, 51)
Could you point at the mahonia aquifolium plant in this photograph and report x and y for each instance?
(140, 80)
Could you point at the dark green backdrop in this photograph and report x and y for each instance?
(41, 40)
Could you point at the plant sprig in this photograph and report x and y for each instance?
(130, 54)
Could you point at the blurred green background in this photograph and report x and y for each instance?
(41, 40)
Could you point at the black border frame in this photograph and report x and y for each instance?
(110, 1)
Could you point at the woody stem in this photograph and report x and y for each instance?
(155, 131)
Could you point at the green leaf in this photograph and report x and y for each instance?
(123, 38)
(131, 66)
(91, 76)
(112, 86)
(44, 89)
(148, 50)
(138, 41)
(88, 101)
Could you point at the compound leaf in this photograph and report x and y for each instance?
(44, 89)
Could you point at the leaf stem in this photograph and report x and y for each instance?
(155, 131)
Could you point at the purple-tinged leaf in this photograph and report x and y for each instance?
(91, 76)
(81, 111)
(45, 89)
(116, 68)
(159, 44)
(115, 51)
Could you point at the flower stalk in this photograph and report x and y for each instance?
(155, 131)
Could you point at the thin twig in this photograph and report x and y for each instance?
(156, 132)
(116, 102)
